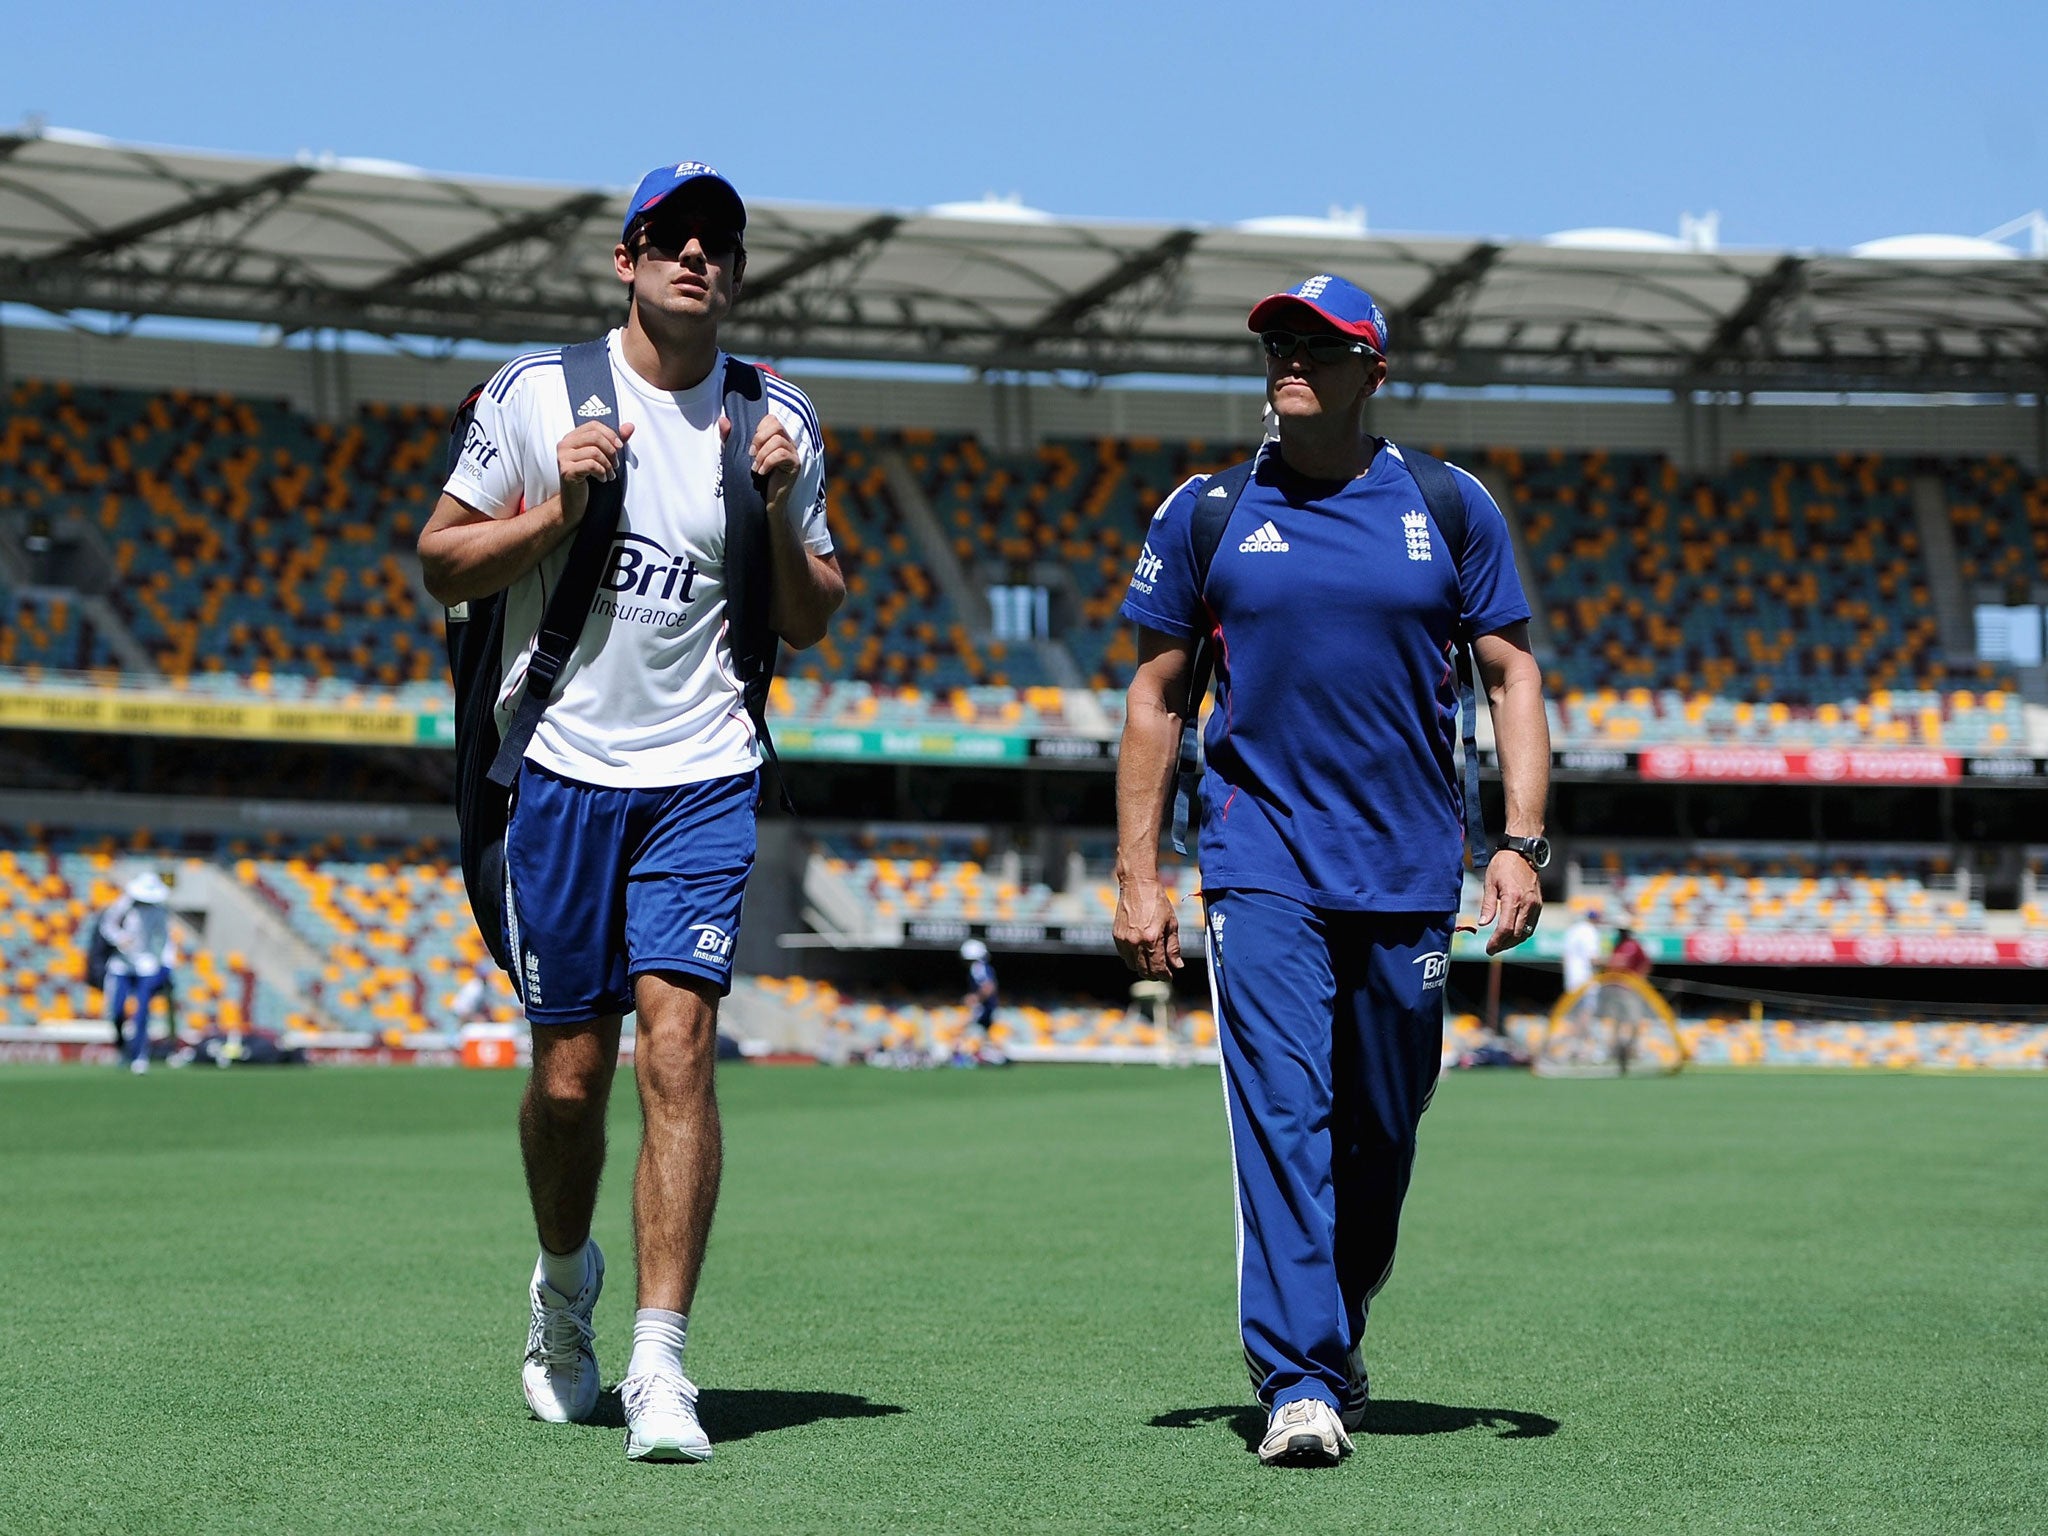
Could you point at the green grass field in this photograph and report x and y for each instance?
(993, 1301)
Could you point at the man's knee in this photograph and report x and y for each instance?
(677, 1035)
(571, 1078)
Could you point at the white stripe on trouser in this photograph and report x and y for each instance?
(1229, 1116)
(512, 929)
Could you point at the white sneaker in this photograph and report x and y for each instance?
(560, 1372)
(1357, 1388)
(139, 1065)
(661, 1419)
(1304, 1433)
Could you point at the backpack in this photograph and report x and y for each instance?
(99, 949)
(1212, 514)
(486, 762)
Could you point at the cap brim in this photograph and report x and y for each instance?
(1284, 308)
(712, 191)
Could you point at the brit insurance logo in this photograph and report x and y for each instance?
(713, 943)
(477, 448)
(1436, 968)
(645, 583)
(1149, 567)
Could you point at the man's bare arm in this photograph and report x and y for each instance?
(466, 553)
(806, 589)
(1147, 930)
(1521, 733)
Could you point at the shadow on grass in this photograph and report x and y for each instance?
(739, 1413)
(1391, 1417)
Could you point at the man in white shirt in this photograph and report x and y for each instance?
(632, 827)
(1581, 952)
(141, 953)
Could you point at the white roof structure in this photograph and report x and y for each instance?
(87, 225)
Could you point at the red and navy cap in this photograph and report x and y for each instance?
(664, 180)
(1345, 307)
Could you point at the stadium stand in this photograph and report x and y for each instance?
(897, 1021)
(1782, 580)
(1871, 892)
(1781, 600)
(53, 884)
(2000, 516)
(966, 874)
(389, 923)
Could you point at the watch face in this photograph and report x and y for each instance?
(1539, 852)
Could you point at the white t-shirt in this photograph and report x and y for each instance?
(648, 697)
(1581, 954)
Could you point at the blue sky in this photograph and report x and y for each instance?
(1803, 123)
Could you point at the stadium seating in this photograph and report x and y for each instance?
(897, 1021)
(390, 924)
(1786, 580)
(54, 633)
(2000, 516)
(1790, 891)
(53, 884)
(1779, 600)
(964, 876)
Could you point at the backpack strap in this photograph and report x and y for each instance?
(587, 371)
(750, 568)
(1218, 499)
(1446, 505)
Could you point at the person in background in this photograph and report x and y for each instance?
(472, 1001)
(1581, 952)
(137, 930)
(981, 998)
(1629, 956)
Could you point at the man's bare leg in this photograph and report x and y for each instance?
(675, 1188)
(561, 1127)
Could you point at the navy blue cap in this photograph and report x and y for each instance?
(1345, 306)
(663, 180)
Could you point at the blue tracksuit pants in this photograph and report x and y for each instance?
(141, 991)
(1331, 1026)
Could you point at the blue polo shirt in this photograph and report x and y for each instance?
(1332, 775)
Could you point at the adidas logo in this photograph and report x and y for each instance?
(593, 407)
(1219, 490)
(1265, 540)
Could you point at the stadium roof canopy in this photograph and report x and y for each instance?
(91, 226)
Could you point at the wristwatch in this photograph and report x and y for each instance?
(1535, 849)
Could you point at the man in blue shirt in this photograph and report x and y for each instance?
(1331, 835)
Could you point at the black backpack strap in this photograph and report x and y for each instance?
(587, 371)
(750, 568)
(1213, 506)
(1440, 494)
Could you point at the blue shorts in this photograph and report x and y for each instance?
(603, 885)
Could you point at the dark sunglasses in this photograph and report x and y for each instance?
(1281, 345)
(667, 237)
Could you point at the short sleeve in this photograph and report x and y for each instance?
(793, 408)
(1162, 593)
(488, 474)
(1487, 582)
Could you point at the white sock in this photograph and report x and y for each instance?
(658, 1343)
(566, 1273)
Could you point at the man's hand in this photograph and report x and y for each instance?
(591, 452)
(775, 458)
(1147, 929)
(1514, 895)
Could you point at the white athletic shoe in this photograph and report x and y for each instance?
(661, 1419)
(1357, 1388)
(139, 1065)
(1304, 1433)
(560, 1372)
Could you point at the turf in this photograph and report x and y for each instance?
(250, 1301)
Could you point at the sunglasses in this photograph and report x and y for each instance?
(667, 238)
(1325, 349)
